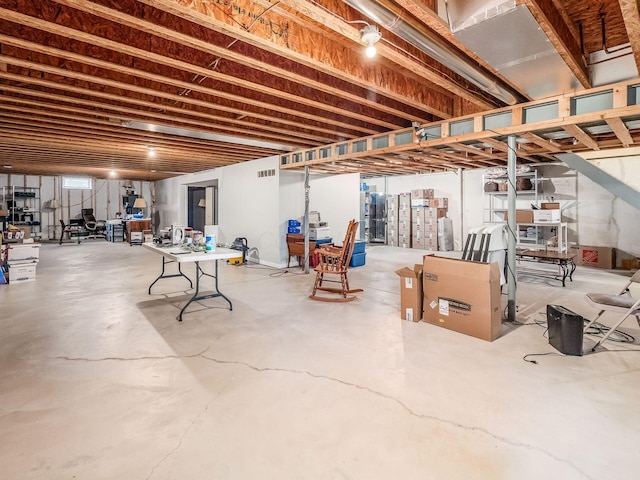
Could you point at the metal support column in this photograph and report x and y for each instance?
(305, 223)
(511, 228)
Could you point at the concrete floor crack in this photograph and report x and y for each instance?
(130, 359)
(186, 432)
(405, 407)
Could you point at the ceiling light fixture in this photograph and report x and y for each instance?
(8, 166)
(151, 152)
(370, 36)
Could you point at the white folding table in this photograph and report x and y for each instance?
(176, 254)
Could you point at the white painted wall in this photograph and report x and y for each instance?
(337, 198)
(259, 208)
(248, 206)
(291, 206)
(624, 168)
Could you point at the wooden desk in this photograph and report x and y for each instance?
(295, 244)
(564, 261)
(172, 254)
(136, 225)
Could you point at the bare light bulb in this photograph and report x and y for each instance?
(370, 51)
(151, 152)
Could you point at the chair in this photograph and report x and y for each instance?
(295, 244)
(335, 261)
(622, 303)
(93, 226)
(71, 231)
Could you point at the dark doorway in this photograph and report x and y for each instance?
(196, 208)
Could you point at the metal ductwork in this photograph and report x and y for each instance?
(440, 52)
(508, 37)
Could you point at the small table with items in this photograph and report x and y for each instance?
(564, 261)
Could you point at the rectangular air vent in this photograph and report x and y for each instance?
(267, 173)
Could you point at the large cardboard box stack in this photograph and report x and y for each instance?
(411, 293)
(463, 296)
(404, 220)
(393, 205)
(425, 212)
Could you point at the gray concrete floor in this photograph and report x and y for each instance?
(99, 381)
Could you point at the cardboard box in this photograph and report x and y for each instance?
(4, 213)
(601, 257)
(435, 212)
(546, 216)
(411, 293)
(404, 240)
(438, 202)
(522, 216)
(417, 242)
(392, 202)
(23, 253)
(630, 264)
(550, 205)
(419, 202)
(422, 193)
(417, 215)
(22, 273)
(431, 243)
(404, 202)
(404, 227)
(462, 296)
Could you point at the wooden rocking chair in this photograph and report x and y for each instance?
(335, 261)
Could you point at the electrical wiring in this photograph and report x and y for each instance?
(535, 362)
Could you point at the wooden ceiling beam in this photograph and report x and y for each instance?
(582, 136)
(621, 131)
(180, 117)
(558, 31)
(112, 98)
(179, 65)
(28, 116)
(476, 151)
(503, 147)
(549, 145)
(323, 17)
(228, 54)
(200, 13)
(631, 17)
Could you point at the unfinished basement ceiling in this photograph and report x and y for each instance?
(220, 83)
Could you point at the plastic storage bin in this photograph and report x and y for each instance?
(358, 259)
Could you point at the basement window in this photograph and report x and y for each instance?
(77, 183)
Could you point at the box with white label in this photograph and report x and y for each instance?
(411, 293)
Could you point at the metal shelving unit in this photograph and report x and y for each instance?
(24, 207)
(495, 204)
(529, 235)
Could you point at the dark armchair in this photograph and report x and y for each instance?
(95, 228)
